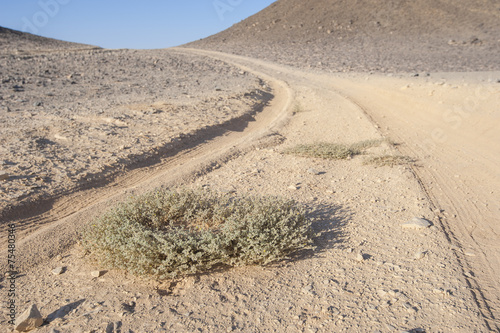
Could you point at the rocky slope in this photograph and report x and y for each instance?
(369, 35)
(72, 117)
(13, 41)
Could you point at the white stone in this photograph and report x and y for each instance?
(58, 270)
(97, 274)
(416, 223)
(359, 256)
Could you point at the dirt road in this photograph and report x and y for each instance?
(449, 285)
(450, 123)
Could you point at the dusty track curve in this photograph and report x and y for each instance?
(459, 167)
(53, 231)
(397, 114)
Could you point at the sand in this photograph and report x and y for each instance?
(72, 118)
(82, 131)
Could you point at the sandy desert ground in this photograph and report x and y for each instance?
(70, 156)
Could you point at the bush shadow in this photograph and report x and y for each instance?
(327, 225)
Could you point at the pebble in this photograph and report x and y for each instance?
(359, 256)
(58, 270)
(10, 274)
(420, 255)
(29, 319)
(416, 223)
(4, 175)
(313, 171)
(308, 290)
(293, 187)
(4, 109)
(97, 274)
(60, 137)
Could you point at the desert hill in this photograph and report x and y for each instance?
(344, 35)
(404, 209)
(13, 41)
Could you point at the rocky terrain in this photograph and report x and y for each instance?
(369, 35)
(72, 117)
(405, 233)
(17, 42)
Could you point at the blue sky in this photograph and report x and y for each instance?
(131, 24)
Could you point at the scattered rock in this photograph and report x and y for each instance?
(420, 255)
(4, 109)
(60, 137)
(58, 270)
(475, 41)
(309, 289)
(10, 274)
(313, 171)
(74, 75)
(359, 256)
(293, 187)
(129, 307)
(97, 274)
(29, 319)
(416, 223)
(382, 293)
(4, 175)
(38, 103)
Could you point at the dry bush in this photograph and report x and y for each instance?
(388, 160)
(332, 150)
(167, 234)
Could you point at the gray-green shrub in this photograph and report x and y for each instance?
(333, 151)
(168, 233)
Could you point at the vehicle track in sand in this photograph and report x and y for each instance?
(54, 229)
(440, 137)
(399, 115)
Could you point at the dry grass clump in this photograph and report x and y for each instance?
(297, 108)
(332, 150)
(167, 234)
(388, 160)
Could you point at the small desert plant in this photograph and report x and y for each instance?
(388, 160)
(297, 108)
(168, 233)
(332, 150)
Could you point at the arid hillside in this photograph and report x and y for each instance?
(370, 35)
(13, 41)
